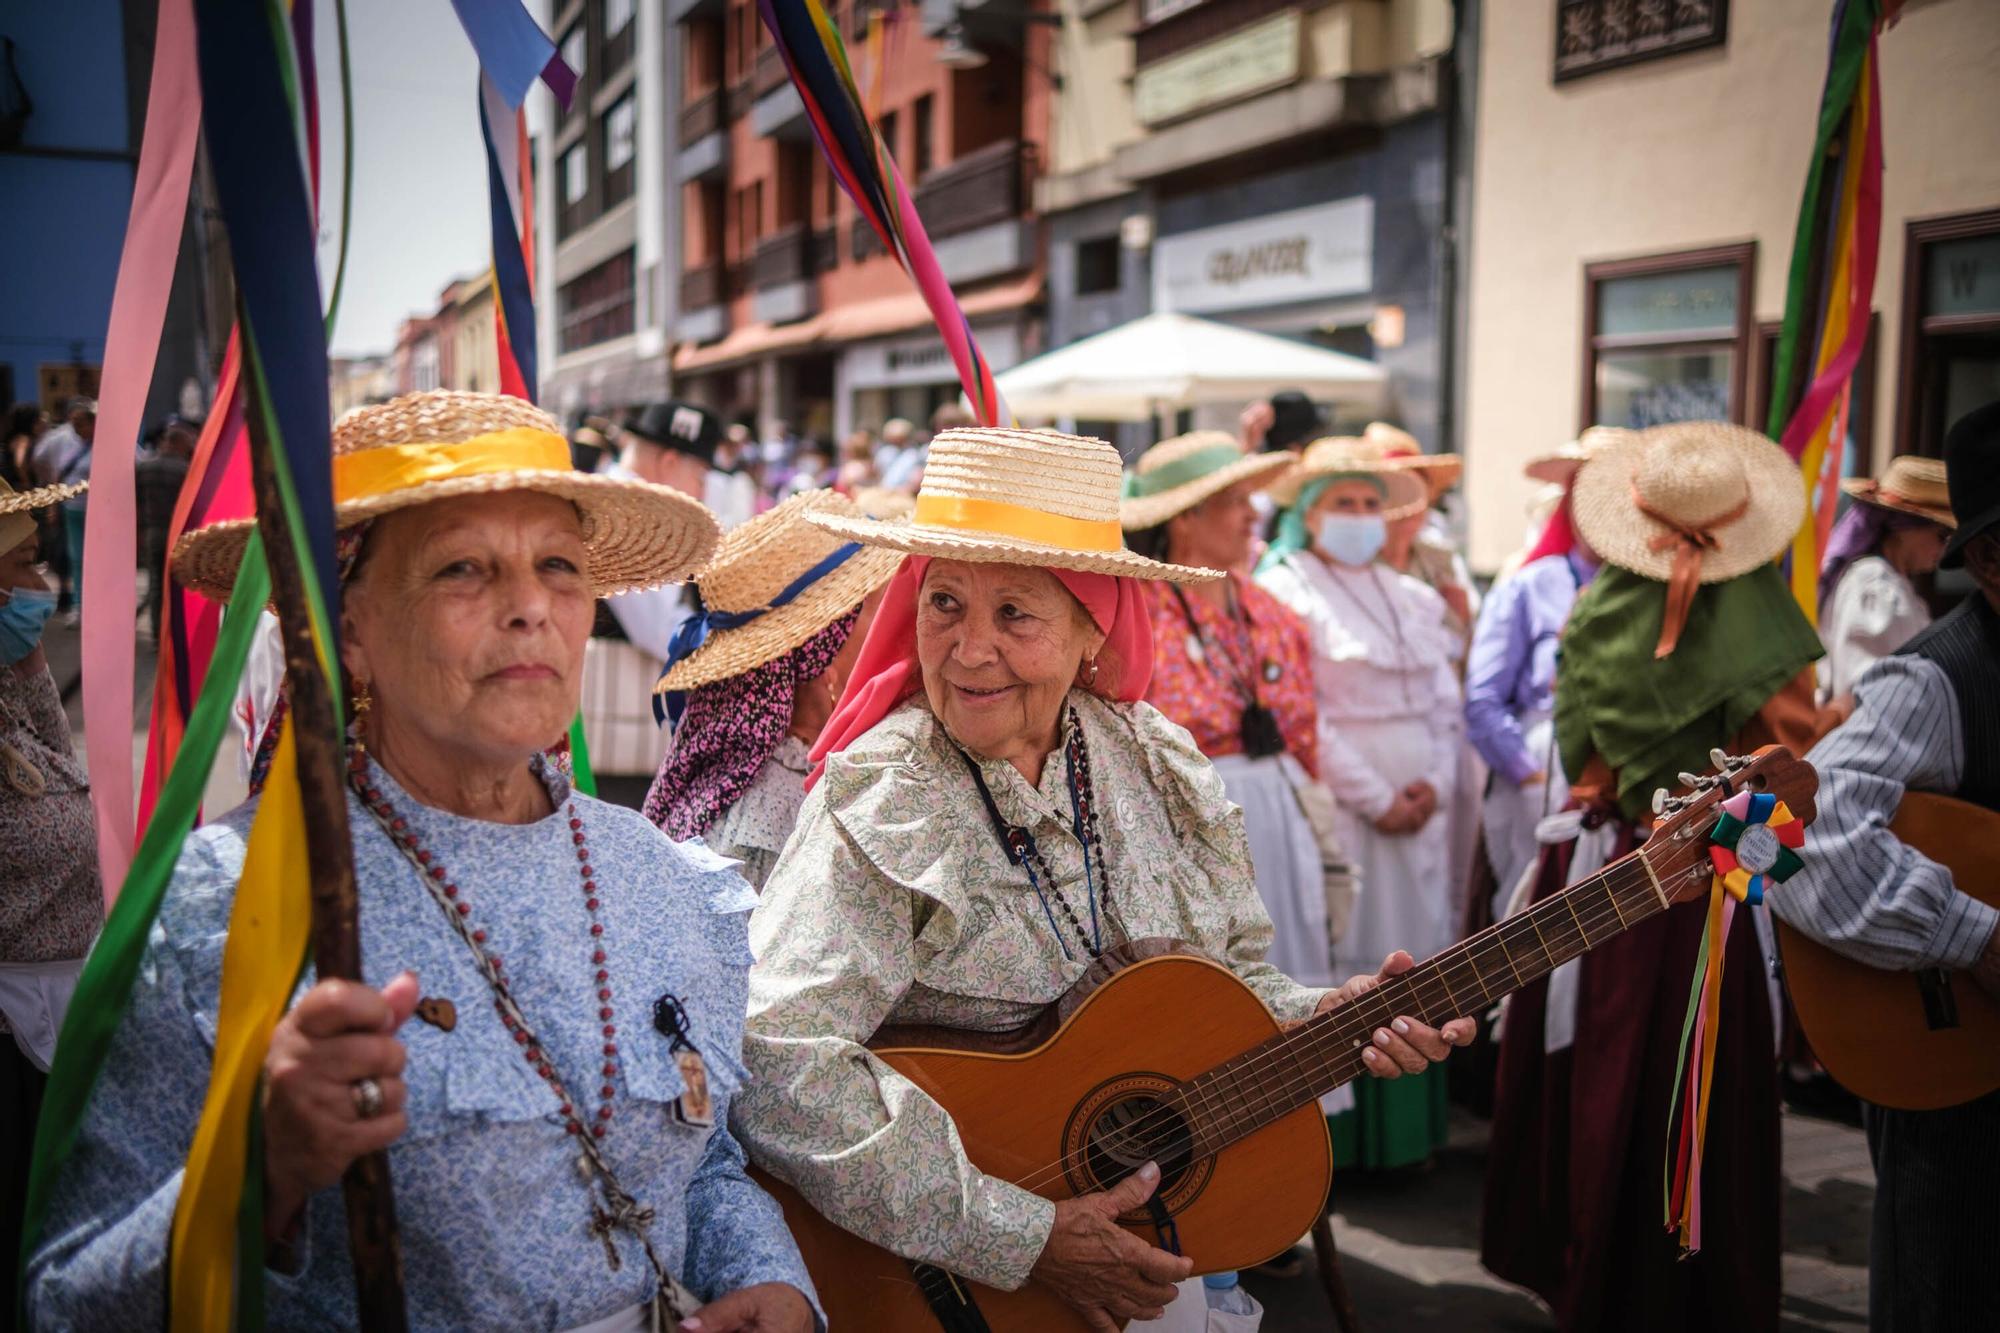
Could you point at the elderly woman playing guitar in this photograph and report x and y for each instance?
(995, 815)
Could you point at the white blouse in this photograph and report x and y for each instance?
(1874, 611)
(1382, 652)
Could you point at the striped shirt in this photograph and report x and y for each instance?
(1863, 893)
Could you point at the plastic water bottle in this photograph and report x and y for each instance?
(1226, 1295)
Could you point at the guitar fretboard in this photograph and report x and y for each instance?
(1273, 1079)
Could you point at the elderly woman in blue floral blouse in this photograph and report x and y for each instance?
(506, 911)
(995, 706)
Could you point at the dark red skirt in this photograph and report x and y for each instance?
(1574, 1208)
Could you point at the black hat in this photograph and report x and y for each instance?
(684, 427)
(1972, 470)
(1294, 420)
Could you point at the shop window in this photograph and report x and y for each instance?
(1667, 338)
(596, 306)
(620, 133)
(1949, 359)
(1857, 458)
(922, 145)
(1097, 263)
(1593, 35)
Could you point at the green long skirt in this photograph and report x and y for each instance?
(1397, 1123)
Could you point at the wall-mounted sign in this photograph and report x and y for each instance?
(1302, 254)
(922, 359)
(1249, 60)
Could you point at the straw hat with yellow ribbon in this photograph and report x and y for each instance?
(1403, 491)
(1175, 475)
(1686, 504)
(17, 509)
(1440, 472)
(1018, 497)
(1560, 464)
(436, 445)
(775, 581)
(1908, 485)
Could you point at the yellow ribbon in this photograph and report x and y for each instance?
(398, 467)
(997, 518)
(261, 957)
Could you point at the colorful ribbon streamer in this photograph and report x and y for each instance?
(1832, 282)
(808, 40)
(1753, 844)
(131, 346)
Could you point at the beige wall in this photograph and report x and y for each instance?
(475, 363)
(1701, 149)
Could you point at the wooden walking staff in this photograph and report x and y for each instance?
(336, 924)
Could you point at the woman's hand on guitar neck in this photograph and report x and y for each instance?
(1407, 1045)
(1103, 1270)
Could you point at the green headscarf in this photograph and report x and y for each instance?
(1291, 534)
(1653, 718)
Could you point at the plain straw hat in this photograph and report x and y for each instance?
(17, 519)
(757, 563)
(1175, 475)
(1347, 455)
(1909, 485)
(1558, 465)
(882, 502)
(1439, 471)
(1735, 494)
(436, 445)
(1017, 497)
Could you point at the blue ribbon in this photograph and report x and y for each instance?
(694, 631)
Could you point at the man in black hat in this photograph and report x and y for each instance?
(1925, 719)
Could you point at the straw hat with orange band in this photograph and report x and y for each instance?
(1688, 504)
(435, 445)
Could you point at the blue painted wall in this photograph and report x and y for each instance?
(62, 222)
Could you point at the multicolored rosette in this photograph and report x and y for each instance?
(1754, 843)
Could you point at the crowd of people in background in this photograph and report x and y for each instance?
(1358, 751)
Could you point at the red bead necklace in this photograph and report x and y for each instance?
(451, 899)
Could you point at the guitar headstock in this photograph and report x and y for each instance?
(1677, 851)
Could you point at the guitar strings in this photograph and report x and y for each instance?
(1329, 1044)
(1329, 1053)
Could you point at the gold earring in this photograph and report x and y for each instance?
(363, 701)
(1090, 681)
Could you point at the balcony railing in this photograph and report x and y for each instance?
(785, 256)
(770, 72)
(826, 249)
(985, 186)
(701, 117)
(702, 286)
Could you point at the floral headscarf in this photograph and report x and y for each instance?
(729, 729)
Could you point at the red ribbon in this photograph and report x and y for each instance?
(1690, 543)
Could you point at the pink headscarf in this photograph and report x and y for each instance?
(886, 673)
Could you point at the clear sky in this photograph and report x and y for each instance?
(420, 211)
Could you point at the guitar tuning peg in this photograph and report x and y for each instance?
(1719, 757)
(1691, 781)
(1659, 801)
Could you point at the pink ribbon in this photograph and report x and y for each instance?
(132, 344)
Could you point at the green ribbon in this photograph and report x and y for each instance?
(1180, 472)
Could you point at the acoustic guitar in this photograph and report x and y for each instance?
(1917, 1041)
(1159, 1054)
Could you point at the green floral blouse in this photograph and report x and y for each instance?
(894, 902)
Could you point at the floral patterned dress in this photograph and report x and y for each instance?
(895, 903)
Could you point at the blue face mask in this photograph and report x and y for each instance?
(21, 621)
(1351, 539)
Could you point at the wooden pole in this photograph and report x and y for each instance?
(336, 926)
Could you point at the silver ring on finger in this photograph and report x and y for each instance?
(367, 1098)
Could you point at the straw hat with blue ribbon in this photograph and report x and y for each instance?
(1017, 497)
(776, 581)
(1175, 475)
(436, 445)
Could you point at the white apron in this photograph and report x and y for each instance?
(35, 996)
(1511, 813)
(1405, 900)
(1188, 1312)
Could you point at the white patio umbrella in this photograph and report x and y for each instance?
(1167, 361)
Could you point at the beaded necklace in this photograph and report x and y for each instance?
(1023, 851)
(618, 1210)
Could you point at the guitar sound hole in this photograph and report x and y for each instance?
(1131, 1131)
